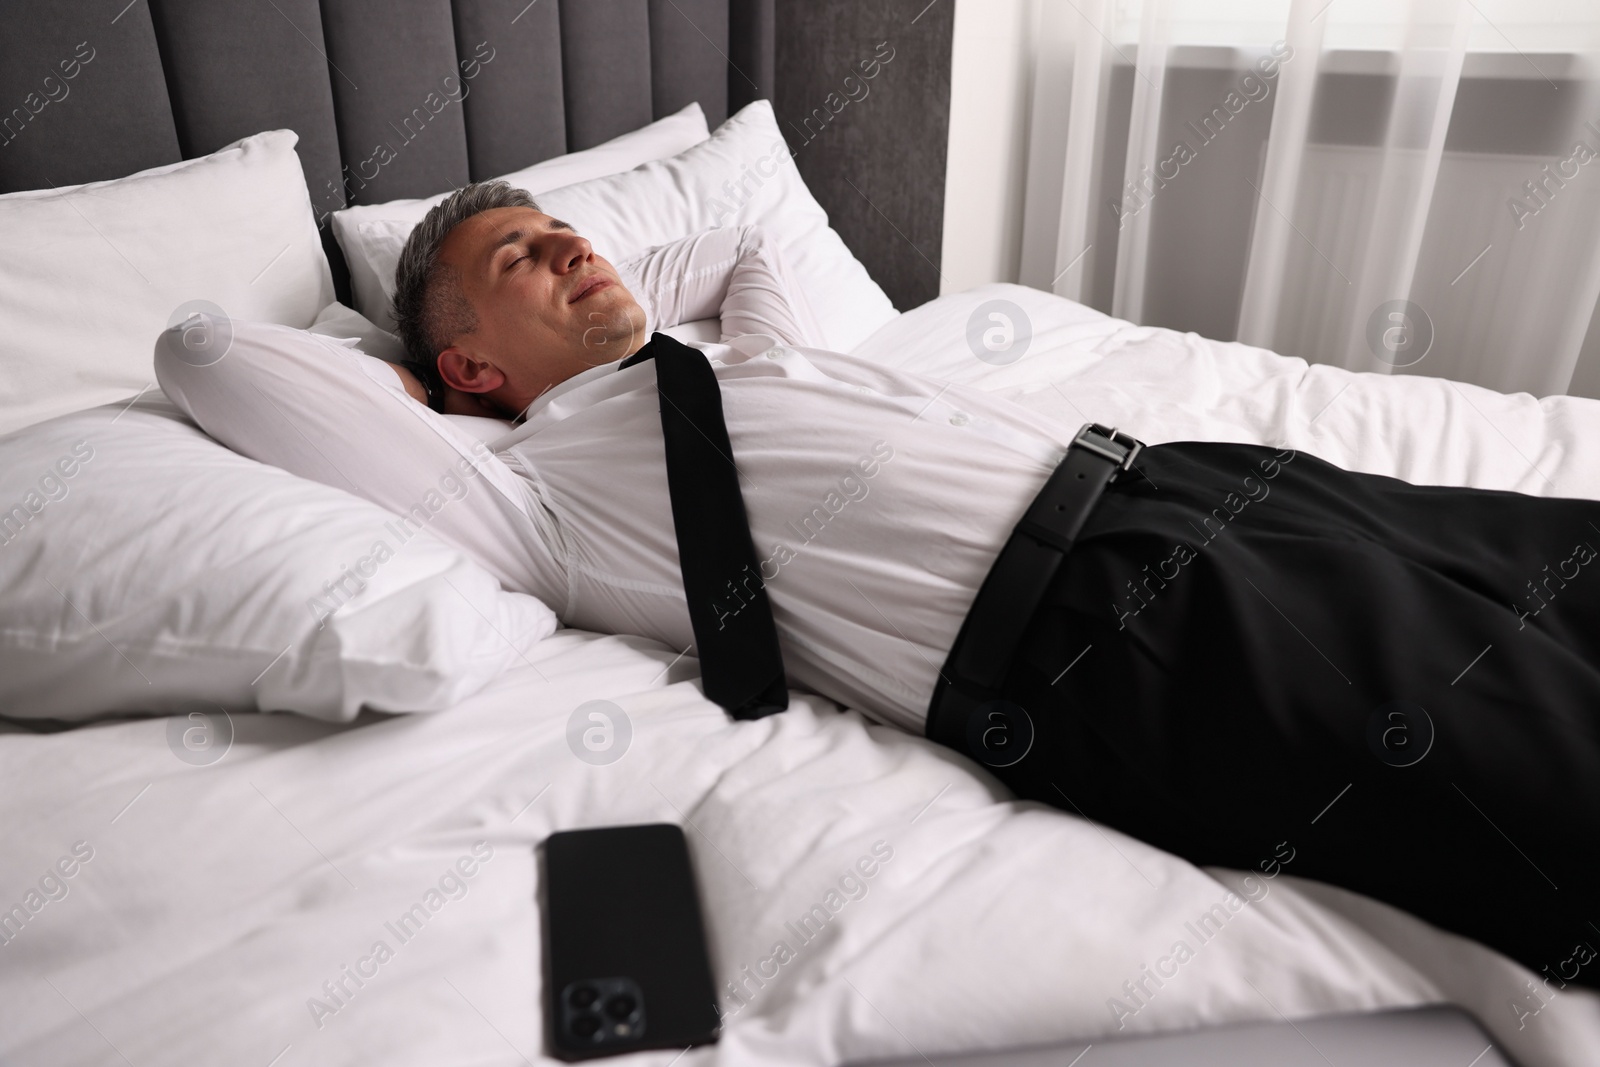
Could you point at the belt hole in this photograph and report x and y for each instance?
(1080, 474)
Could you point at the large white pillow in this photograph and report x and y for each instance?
(145, 567)
(89, 274)
(372, 268)
(743, 173)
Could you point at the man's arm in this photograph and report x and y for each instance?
(412, 385)
(323, 411)
(735, 273)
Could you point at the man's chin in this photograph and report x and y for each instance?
(618, 338)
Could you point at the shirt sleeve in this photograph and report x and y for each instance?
(326, 411)
(736, 274)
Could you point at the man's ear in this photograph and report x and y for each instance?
(468, 373)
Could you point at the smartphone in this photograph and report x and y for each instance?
(626, 948)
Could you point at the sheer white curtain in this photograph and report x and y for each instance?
(1405, 186)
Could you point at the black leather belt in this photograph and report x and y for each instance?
(981, 656)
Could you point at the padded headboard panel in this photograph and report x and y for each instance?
(391, 98)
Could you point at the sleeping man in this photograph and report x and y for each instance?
(1243, 651)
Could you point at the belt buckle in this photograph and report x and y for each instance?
(1119, 448)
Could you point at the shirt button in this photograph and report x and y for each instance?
(774, 353)
(958, 419)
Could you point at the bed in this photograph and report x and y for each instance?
(867, 893)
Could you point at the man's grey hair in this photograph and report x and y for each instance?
(430, 308)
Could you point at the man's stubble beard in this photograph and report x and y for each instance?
(614, 336)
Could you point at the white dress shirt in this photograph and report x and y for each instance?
(878, 499)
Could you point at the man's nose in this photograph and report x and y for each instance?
(570, 253)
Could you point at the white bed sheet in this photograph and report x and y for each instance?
(1162, 385)
(219, 899)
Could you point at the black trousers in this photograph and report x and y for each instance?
(1252, 654)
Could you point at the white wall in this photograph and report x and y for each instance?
(990, 89)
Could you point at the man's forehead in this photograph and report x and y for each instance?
(488, 230)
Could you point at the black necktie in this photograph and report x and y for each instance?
(737, 641)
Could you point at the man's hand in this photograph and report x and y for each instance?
(412, 383)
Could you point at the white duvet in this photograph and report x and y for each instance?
(222, 910)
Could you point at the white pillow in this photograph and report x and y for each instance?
(143, 566)
(743, 173)
(89, 274)
(342, 323)
(372, 268)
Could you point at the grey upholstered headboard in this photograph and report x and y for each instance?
(391, 98)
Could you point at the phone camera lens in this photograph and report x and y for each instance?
(586, 1025)
(584, 997)
(621, 1006)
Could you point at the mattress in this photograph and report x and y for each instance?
(234, 912)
